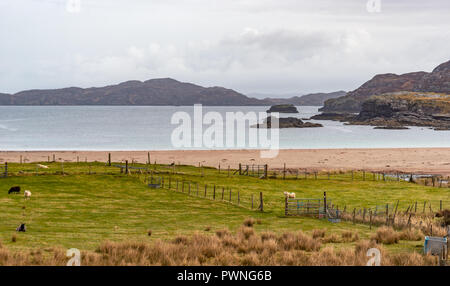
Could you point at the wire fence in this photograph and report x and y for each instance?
(211, 191)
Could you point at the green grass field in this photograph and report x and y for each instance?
(80, 210)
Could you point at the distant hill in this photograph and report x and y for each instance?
(436, 81)
(312, 99)
(164, 91)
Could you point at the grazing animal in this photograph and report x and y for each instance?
(42, 166)
(289, 195)
(27, 194)
(21, 228)
(14, 190)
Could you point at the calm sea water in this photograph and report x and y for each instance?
(149, 128)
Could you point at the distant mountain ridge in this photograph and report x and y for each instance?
(163, 91)
(436, 81)
(312, 99)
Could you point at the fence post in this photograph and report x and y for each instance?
(354, 215)
(325, 202)
(126, 167)
(252, 201)
(285, 205)
(109, 159)
(228, 170)
(265, 171)
(223, 191)
(206, 187)
(230, 195)
(6, 169)
(284, 171)
(239, 198)
(261, 206)
(148, 157)
(214, 192)
(240, 169)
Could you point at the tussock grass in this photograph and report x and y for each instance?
(386, 235)
(244, 248)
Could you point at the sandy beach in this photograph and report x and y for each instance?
(418, 160)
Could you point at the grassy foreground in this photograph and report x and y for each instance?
(91, 204)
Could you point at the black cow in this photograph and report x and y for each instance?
(14, 190)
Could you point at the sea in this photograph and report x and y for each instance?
(24, 128)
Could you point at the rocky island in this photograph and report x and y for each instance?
(283, 108)
(287, 122)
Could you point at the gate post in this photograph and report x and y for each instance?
(286, 206)
(325, 202)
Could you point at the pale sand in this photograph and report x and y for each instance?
(417, 160)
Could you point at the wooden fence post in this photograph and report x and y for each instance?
(214, 192)
(265, 171)
(126, 167)
(223, 192)
(148, 158)
(284, 171)
(354, 215)
(206, 188)
(6, 169)
(240, 169)
(230, 195)
(325, 202)
(109, 159)
(228, 170)
(285, 205)
(261, 206)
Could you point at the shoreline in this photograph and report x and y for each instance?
(416, 160)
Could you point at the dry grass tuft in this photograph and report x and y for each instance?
(349, 236)
(386, 235)
(249, 222)
(245, 247)
(413, 235)
(318, 233)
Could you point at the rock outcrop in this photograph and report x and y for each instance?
(288, 122)
(395, 110)
(436, 81)
(283, 108)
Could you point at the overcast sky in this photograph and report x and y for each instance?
(252, 46)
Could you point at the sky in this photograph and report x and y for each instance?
(252, 46)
